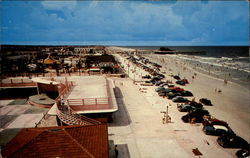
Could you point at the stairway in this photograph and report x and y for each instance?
(71, 118)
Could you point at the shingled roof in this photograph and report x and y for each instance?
(66, 141)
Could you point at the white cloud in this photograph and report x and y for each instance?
(59, 5)
(93, 4)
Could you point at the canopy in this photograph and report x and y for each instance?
(44, 81)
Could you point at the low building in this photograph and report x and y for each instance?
(64, 141)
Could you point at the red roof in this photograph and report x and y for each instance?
(66, 141)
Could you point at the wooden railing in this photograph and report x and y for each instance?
(21, 82)
(88, 101)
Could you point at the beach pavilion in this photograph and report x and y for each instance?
(64, 141)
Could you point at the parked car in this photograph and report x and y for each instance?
(162, 94)
(177, 89)
(232, 141)
(196, 115)
(161, 75)
(185, 108)
(186, 94)
(170, 85)
(217, 130)
(179, 99)
(185, 81)
(158, 83)
(242, 153)
(171, 95)
(176, 77)
(146, 76)
(195, 104)
(205, 101)
(214, 121)
(163, 84)
(159, 89)
(148, 81)
(180, 83)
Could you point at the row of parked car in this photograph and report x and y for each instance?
(212, 126)
(151, 67)
(197, 113)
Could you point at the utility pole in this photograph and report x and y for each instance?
(128, 68)
(166, 118)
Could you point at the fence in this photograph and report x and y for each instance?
(17, 83)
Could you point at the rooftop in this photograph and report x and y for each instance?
(64, 141)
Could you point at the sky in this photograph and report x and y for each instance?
(125, 23)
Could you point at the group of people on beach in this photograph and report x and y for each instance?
(217, 90)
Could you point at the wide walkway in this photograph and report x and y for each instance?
(137, 127)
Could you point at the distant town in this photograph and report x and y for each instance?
(24, 60)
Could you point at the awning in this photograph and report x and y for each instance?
(52, 110)
(44, 81)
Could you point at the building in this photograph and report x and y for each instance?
(65, 141)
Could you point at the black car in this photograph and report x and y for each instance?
(162, 89)
(196, 115)
(205, 101)
(163, 84)
(242, 153)
(155, 79)
(171, 95)
(195, 104)
(180, 83)
(232, 141)
(217, 130)
(158, 83)
(161, 76)
(180, 99)
(186, 94)
(170, 85)
(185, 108)
(146, 76)
(176, 77)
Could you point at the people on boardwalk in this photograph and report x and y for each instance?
(62, 102)
(116, 152)
(225, 81)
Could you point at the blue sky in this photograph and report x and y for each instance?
(125, 22)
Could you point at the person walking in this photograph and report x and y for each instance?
(116, 152)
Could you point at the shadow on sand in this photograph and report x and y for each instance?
(121, 117)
